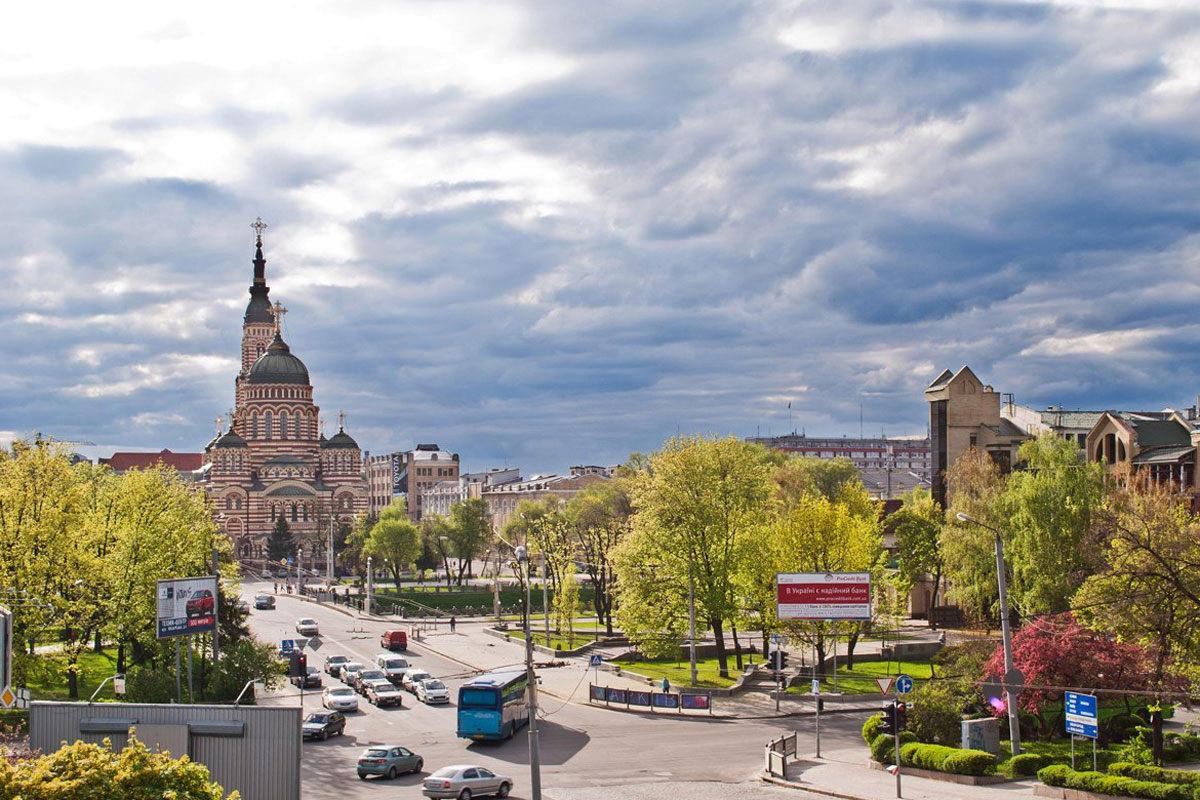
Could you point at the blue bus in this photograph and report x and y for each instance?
(493, 705)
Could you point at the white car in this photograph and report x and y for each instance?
(333, 664)
(465, 781)
(307, 626)
(413, 677)
(394, 666)
(432, 691)
(349, 670)
(340, 698)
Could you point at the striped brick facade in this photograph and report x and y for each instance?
(273, 460)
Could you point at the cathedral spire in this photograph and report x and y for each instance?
(260, 263)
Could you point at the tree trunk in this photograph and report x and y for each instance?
(737, 647)
(851, 641)
(722, 656)
(72, 682)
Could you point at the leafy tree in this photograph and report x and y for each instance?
(1047, 512)
(699, 499)
(798, 477)
(918, 529)
(243, 662)
(280, 544)
(601, 515)
(435, 535)
(395, 540)
(85, 770)
(470, 531)
(968, 551)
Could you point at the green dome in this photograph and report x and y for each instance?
(340, 440)
(278, 365)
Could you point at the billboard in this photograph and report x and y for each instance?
(823, 595)
(187, 606)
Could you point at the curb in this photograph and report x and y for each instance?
(808, 787)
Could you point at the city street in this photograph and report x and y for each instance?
(583, 749)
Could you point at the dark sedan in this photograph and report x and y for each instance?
(310, 681)
(323, 724)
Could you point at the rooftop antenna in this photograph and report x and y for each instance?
(860, 420)
(791, 427)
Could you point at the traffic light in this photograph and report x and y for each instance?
(778, 660)
(783, 659)
(298, 666)
(888, 726)
(901, 715)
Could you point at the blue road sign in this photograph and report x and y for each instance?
(287, 646)
(1082, 715)
(904, 684)
(595, 660)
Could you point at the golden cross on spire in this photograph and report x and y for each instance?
(220, 422)
(259, 226)
(322, 426)
(278, 311)
(341, 420)
(232, 418)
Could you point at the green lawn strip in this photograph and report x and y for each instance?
(678, 672)
(582, 636)
(93, 669)
(861, 680)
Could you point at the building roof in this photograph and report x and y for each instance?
(1178, 454)
(230, 439)
(1061, 418)
(184, 462)
(340, 441)
(278, 365)
(284, 461)
(289, 490)
(1159, 433)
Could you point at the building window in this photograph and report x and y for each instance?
(272, 513)
(295, 513)
(283, 424)
(270, 423)
(298, 423)
(974, 439)
(254, 425)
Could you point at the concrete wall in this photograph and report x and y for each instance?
(251, 749)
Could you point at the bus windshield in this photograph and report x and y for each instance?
(480, 697)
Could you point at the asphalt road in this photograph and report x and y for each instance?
(586, 752)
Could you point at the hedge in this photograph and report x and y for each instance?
(1141, 772)
(881, 747)
(1027, 764)
(1062, 775)
(870, 728)
(940, 758)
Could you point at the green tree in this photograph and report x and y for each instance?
(470, 531)
(435, 535)
(799, 477)
(1047, 510)
(699, 499)
(601, 516)
(241, 663)
(280, 544)
(395, 540)
(968, 551)
(918, 529)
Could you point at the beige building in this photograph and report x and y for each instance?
(1160, 443)
(503, 499)
(409, 475)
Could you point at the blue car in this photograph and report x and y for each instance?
(388, 761)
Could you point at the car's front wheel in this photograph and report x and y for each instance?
(502, 791)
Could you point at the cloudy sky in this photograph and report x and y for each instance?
(552, 233)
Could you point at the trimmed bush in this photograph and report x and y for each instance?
(1141, 772)
(1062, 775)
(970, 762)
(939, 758)
(870, 728)
(1026, 764)
(881, 748)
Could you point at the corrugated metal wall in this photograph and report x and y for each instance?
(262, 764)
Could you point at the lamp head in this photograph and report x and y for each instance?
(522, 553)
(963, 517)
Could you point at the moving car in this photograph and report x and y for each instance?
(340, 698)
(310, 681)
(394, 666)
(388, 761)
(413, 677)
(349, 670)
(200, 604)
(366, 676)
(465, 781)
(307, 626)
(394, 640)
(242, 606)
(432, 691)
(264, 602)
(383, 693)
(333, 664)
(323, 724)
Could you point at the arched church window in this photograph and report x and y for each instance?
(228, 502)
(270, 420)
(295, 514)
(272, 513)
(305, 510)
(254, 425)
(298, 423)
(283, 424)
(237, 502)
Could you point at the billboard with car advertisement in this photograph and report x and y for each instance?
(187, 606)
(823, 595)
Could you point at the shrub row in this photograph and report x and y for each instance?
(1142, 772)
(940, 758)
(870, 728)
(1026, 764)
(882, 750)
(1062, 775)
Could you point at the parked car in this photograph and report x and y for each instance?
(264, 602)
(340, 698)
(466, 781)
(383, 693)
(242, 606)
(349, 670)
(310, 681)
(413, 677)
(334, 663)
(432, 691)
(366, 676)
(394, 640)
(307, 626)
(323, 724)
(200, 604)
(388, 761)
(394, 666)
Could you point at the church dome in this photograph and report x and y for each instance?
(278, 365)
(231, 439)
(341, 440)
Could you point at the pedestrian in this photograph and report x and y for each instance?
(452, 624)
(666, 685)
(276, 587)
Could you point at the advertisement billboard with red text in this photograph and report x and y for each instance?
(187, 606)
(823, 595)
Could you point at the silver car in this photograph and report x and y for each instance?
(307, 626)
(432, 691)
(465, 781)
(340, 698)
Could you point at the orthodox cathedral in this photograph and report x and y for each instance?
(273, 461)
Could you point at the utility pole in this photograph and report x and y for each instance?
(692, 620)
(370, 587)
(535, 764)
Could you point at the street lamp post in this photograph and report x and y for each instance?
(692, 620)
(329, 556)
(370, 587)
(535, 765)
(1010, 696)
(299, 571)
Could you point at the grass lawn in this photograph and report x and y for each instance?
(585, 633)
(679, 671)
(861, 680)
(94, 668)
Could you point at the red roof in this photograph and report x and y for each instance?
(183, 462)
